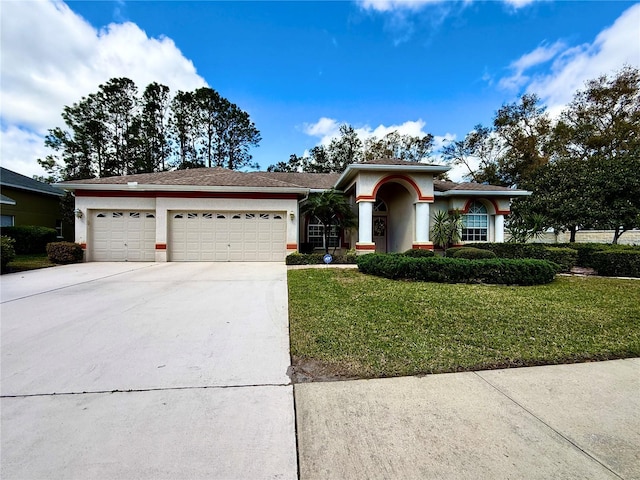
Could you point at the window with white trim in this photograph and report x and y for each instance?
(7, 220)
(475, 223)
(315, 234)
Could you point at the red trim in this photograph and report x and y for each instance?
(292, 246)
(83, 246)
(493, 202)
(391, 178)
(422, 246)
(161, 246)
(157, 194)
(366, 246)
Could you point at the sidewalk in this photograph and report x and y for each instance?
(577, 421)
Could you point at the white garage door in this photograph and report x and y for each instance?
(123, 236)
(227, 236)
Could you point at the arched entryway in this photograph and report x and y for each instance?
(393, 227)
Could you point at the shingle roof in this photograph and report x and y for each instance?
(12, 179)
(222, 177)
(6, 200)
(445, 186)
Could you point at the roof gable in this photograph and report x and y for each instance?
(15, 180)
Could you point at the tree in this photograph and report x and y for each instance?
(446, 229)
(395, 145)
(116, 132)
(332, 210)
(478, 153)
(597, 144)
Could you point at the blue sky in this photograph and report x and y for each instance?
(302, 68)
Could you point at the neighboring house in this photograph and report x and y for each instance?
(214, 214)
(26, 201)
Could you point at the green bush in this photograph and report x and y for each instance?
(512, 250)
(30, 239)
(7, 252)
(472, 253)
(418, 253)
(318, 259)
(586, 251)
(458, 270)
(565, 258)
(64, 252)
(621, 263)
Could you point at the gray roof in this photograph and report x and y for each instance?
(6, 200)
(222, 177)
(21, 182)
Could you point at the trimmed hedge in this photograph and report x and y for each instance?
(458, 270)
(586, 251)
(318, 259)
(7, 252)
(621, 263)
(64, 252)
(471, 253)
(566, 258)
(418, 253)
(30, 238)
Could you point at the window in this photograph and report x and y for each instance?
(59, 228)
(7, 221)
(475, 223)
(315, 234)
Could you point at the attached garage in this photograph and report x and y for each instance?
(122, 236)
(226, 236)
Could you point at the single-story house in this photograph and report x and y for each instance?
(215, 214)
(25, 201)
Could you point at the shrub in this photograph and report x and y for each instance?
(458, 270)
(565, 258)
(621, 263)
(7, 253)
(418, 253)
(318, 259)
(30, 238)
(64, 252)
(471, 253)
(586, 251)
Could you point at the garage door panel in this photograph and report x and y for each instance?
(122, 236)
(227, 236)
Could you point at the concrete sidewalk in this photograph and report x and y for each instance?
(577, 421)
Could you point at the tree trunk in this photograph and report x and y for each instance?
(572, 237)
(617, 233)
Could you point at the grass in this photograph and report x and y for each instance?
(362, 326)
(22, 263)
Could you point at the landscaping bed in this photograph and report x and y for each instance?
(344, 324)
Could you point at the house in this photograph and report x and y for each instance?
(25, 201)
(214, 214)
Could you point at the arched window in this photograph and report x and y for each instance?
(475, 223)
(315, 234)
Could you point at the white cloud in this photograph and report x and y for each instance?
(51, 57)
(391, 5)
(540, 55)
(614, 47)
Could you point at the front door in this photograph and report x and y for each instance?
(380, 234)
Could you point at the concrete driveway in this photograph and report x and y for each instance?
(145, 370)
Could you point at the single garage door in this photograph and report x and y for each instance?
(227, 236)
(122, 236)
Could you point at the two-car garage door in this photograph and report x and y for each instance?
(210, 236)
(221, 236)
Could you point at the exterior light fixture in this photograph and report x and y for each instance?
(292, 215)
(78, 213)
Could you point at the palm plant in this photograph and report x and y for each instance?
(332, 210)
(446, 229)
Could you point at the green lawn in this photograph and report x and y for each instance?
(356, 325)
(29, 262)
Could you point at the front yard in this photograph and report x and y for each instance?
(346, 324)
